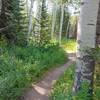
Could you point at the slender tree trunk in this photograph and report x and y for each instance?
(67, 29)
(53, 20)
(98, 29)
(75, 31)
(61, 23)
(37, 26)
(30, 19)
(27, 8)
(86, 39)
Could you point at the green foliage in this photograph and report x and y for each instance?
(63, 88)
(42, 27)
(69, 45)
(19, 21)
(97, 82)
(13, 16)
(19, 66)
(65, 21)
(83, 93)
(95, 53)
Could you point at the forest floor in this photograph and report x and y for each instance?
(42, 89)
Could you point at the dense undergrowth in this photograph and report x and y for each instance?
(19, 66)
(63, 88)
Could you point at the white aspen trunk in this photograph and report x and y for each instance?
(54, 10)
(37, 24)
(61, 23)
(27, 8)
(30, 18)
(86, 39)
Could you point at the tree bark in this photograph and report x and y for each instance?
(86, 39)
(53, 20)
(67, 29)
(27, 8)
(98, 29)
(30, 18)
(61, 23)
(37, 26)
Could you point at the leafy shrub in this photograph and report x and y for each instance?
(97, 79)
(63, 88)
(95, 54)
(19, 66)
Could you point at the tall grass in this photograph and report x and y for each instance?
(62, 90)
(63, 87)
(19, 66)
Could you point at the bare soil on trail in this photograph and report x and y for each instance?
(42, 89)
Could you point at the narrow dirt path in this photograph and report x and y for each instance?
(41, 90)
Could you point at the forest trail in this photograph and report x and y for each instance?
(41, 90)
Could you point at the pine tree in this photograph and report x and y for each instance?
(43, 24)
(13, 17)
(19, 20)
(5, 18)
(3, 13)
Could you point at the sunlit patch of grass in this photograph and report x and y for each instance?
(63, 86)
(69, 45)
